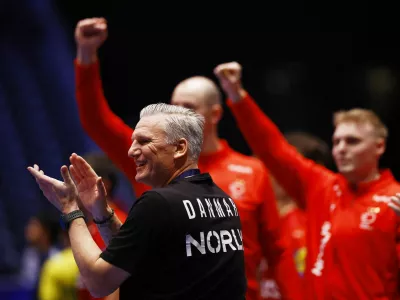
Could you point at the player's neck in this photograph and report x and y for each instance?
(286, 207)
(357, 179)
(211, 143)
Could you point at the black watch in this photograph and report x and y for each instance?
(66, 219)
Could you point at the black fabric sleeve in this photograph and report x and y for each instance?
(141, 235)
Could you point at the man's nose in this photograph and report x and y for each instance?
(134, 151)
(341, 146)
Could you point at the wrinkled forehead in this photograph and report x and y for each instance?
(149, 126)
(354, 129)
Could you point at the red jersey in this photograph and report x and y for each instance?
(244, 178)
(112, 135)
(293, 227)
(351, 232)
(83, 293)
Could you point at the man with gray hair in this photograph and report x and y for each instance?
(243, 177)
(181, 240)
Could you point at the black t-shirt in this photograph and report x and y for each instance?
(182, 241)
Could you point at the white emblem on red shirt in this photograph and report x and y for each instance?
(237, 189)
(381, 198)
(325, 237)
(240, 169)
(367, 219)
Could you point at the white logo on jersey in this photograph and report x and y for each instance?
(381, 198)
(222, 239)
(326, 235)
(237, 189)
(367, 219)
(240, 169)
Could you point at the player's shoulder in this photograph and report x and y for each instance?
(395, 185)
(392, 185)
(393, 188)
(246, 163)
(150, 199)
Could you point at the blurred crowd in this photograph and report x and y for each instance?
(48, 269)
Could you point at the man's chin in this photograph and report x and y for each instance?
(142, 179)
(139, 178)
(346, 170)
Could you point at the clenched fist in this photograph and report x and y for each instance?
(230, 79)
(90, 34)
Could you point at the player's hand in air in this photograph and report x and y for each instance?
(230, 79)
(90, 34)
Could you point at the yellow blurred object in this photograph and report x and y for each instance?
(58, 279)
(300, 260)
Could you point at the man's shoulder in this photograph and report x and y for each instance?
(391, 180)
(192, 187)
(392, 187)
(151, 204)
(187, 186)
(151, 196)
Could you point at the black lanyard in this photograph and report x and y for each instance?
(187, 173)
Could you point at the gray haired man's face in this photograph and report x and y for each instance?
(154, 158)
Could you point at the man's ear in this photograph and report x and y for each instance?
(216, 113)
(380, 147)
(181, 148)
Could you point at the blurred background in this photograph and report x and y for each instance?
(298, 78)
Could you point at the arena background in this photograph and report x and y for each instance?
(298, 76)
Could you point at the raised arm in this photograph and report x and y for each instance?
(294, 172)
(109, 132)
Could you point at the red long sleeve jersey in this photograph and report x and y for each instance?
(293, 227)
(351, 233)
(244, 178)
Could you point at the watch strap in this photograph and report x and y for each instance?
(66, 219)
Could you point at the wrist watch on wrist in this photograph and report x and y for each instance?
(66, 219)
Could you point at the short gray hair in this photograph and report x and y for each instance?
(179, 123)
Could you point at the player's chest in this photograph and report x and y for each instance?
(236, 180)
(362, 217)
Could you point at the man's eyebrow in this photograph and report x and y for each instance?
(139, 135)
